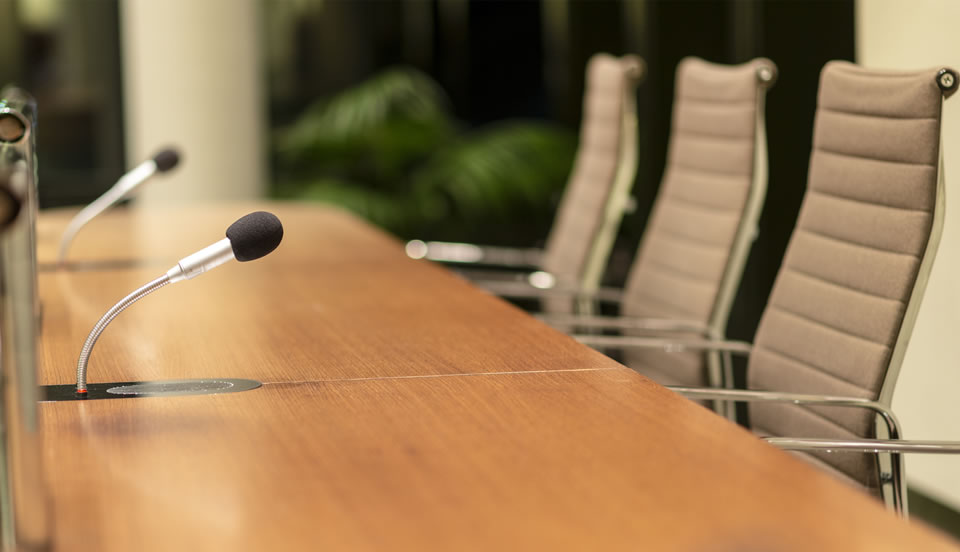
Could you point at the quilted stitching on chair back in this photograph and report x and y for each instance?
(694, 224)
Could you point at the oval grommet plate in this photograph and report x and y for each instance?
(159, 388)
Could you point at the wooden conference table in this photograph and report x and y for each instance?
(402, 409)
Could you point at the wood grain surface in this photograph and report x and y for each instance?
(155, 237)
(278, 323)
(402, 410)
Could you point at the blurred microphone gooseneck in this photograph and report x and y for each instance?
(249, 238)
(161, 162)
(105, 320)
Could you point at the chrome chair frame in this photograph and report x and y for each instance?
(891, 448)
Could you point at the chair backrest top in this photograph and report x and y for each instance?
(605, 139)
(855, 268)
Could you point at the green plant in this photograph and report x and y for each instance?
(390, 151)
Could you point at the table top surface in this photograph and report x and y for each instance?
(402, 409)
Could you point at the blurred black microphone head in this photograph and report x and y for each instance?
(166, 159)
(254, 235)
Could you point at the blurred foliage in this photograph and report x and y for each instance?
(389, 150)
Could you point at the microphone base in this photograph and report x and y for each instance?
(142, 389)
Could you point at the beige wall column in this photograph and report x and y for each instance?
(192, 77)
(911, 35)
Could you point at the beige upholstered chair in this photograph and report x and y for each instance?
(596, 195)
(690, 260)
(833, 336)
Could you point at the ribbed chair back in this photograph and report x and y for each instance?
(603, 172)
(845, 299)
(704, 218)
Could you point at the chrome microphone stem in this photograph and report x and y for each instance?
(102, 325)
(208, 258)
(125, 185)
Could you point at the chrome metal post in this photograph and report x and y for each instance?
(24, 503)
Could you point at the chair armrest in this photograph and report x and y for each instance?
(745, 395)
(626, 323)
(866, 445)
(492, 276)
(861, 445)
(895, 447)
(669, 344)
(468, 253)
(609, 295)
(522, 288)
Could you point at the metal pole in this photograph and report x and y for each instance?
(24, 503)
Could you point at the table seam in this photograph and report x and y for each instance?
(432, 376)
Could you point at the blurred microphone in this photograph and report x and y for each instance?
(249, 238)
(161, 162)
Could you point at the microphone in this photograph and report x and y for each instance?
(161, 162)
(249, 238)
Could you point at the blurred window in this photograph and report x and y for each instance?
(66, 53)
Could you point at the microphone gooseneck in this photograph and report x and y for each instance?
(250, 237)
(104, 321)
(161, 162)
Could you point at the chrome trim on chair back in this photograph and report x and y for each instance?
(894, 460)
(920, 284)
(619, 200)
(720, 367)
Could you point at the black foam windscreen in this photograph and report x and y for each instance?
(166, 159)
(254, 235)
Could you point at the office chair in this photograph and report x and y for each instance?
(691, 257)
(833, 335)
(595, 198)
